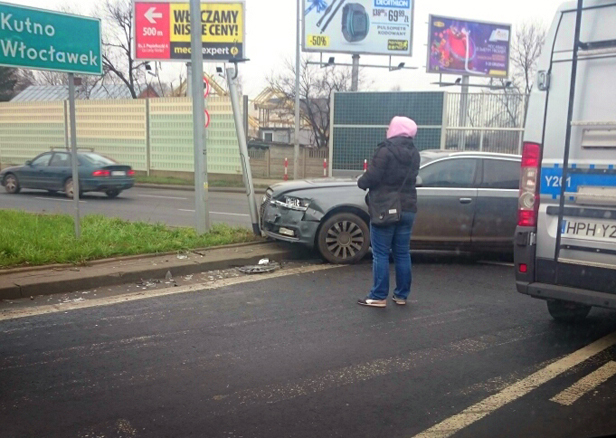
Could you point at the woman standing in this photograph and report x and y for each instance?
(391, 175)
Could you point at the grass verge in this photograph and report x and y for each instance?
(164, 180)
(28, 239)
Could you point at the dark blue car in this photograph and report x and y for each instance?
(52, 171)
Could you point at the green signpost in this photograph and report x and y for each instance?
(46, 40)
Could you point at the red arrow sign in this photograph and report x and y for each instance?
(152, 31)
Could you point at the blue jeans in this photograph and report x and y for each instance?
(397, 239)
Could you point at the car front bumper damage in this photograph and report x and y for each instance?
(289, 225)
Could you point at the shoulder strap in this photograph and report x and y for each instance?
(405, 179)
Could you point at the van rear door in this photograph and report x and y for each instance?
(586, 256)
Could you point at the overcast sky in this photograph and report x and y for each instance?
(271, 35)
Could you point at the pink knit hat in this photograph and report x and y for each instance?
(402, 127)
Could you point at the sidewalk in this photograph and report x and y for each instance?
(27, 282)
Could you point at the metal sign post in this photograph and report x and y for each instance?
(297, 91)
(74, 162)
(244, 158)
(202, 216)
(463, 113)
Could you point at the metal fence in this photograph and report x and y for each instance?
(490, 122)
(148, 134)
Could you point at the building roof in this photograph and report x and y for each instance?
(46, 93)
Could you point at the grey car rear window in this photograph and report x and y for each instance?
(449, 173)
(501, 174)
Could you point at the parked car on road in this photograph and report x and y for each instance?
(467, 201)
(52, 171)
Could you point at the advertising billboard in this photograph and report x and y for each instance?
(162, 30)
(470, 48)
(373, 27)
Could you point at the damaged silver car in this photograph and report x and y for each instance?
(467, 201)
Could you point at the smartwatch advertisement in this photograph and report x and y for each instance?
(371, 27)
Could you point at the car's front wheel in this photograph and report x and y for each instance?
(344, 238)
(11, 184)
(564, 311)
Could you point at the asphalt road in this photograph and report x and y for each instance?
(172, 207)
(294, 356)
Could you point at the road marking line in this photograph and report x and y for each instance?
(58, 200)
(135, 296)
(219, 213)
(585, 385)
(519, 389)
(162, 197)
(229, 214)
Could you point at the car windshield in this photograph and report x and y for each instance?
(97, 160)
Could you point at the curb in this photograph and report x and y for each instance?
(113, 275)
(192, 189)
(65, 266)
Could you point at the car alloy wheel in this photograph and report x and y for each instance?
(11, 184)
(344, 239)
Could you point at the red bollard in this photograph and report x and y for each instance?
(365, 165)
(325, 167)
(286, 169)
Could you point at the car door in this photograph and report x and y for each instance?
(497, 203)
(30, 176)
(446, 202)
(57, 172)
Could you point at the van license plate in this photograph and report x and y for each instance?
(118, 173)
(598, 230)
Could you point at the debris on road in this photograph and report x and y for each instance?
(260, 268)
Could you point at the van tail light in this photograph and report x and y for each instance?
(101, 173)
(528, 203)
(131, 173)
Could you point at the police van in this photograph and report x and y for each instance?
(565, 242)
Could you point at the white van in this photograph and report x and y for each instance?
(565, 243)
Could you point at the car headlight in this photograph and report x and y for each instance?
(294, 203)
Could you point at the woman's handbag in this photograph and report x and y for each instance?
(386, 208)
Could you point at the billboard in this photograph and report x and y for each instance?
(470, 48)
(162, 30)
(373, 27)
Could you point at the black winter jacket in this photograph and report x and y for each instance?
(391, 162)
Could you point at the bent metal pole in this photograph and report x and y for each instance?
(244, 158)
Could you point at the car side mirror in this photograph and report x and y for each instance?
(28, 163)
(418, 181)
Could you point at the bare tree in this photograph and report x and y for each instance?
(316, 88)
(118, 57)
(525, 51)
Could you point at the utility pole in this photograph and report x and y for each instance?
(463, 112)
(202, 217)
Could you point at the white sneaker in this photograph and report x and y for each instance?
(372, 303)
